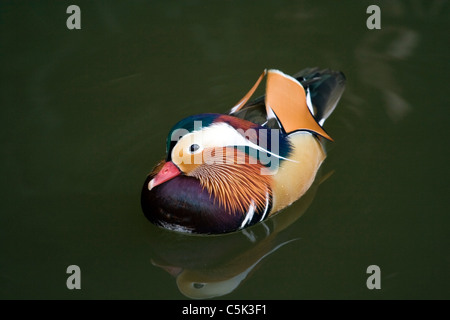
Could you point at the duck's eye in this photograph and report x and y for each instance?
(198, 285)
(194, 147)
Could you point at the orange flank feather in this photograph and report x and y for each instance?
(286, 97)
(249, 94)
(235, 182)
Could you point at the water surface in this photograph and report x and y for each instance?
(85, 114)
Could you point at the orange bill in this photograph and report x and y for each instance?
(286, 97)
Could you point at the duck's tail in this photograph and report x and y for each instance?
(323, 89)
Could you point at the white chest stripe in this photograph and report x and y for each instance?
(263, 216)
(249, 215)
(251, 211)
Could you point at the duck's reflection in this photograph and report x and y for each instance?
(213, 266)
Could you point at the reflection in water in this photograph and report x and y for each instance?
(379, 53)
(213, 266)
(376, 65)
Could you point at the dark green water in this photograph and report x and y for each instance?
(85, 114)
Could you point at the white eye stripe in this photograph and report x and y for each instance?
(219, 135)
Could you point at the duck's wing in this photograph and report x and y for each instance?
(295, 103)
(256, 112)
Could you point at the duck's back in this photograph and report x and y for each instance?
(323, 88)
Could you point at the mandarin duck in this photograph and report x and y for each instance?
(226, 172)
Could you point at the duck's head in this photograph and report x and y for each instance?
(213, 179)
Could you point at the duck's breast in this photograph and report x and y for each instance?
(294, 178)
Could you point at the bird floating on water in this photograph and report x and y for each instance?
(226, 172)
